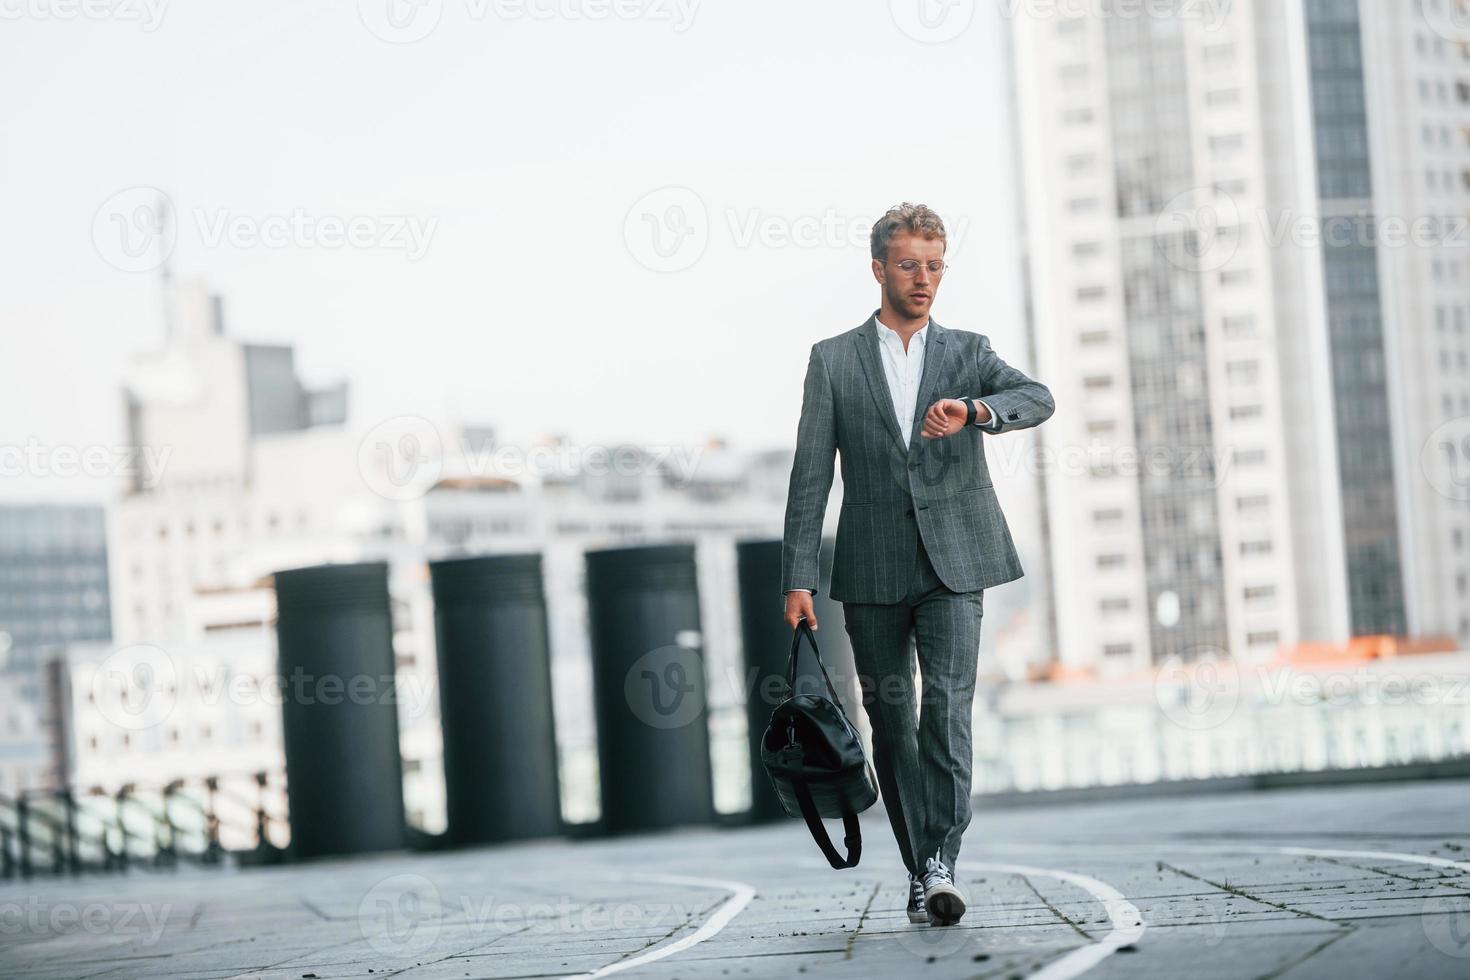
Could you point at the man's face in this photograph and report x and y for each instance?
(910, 295)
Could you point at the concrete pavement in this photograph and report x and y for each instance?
(1369, 881)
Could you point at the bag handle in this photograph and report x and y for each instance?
(851, 827)
(802, 629)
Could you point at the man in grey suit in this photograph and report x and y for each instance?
(905, 402)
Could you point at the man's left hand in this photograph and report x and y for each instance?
(946, 417)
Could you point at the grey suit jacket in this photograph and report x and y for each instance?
(939, 489)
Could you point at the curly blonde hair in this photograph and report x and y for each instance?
(914, 218)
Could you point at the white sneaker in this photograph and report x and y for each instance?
(942, 899)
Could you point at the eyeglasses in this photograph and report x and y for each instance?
(910, 267)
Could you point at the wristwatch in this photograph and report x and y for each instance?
(970, 411)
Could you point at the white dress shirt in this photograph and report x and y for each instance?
(903, 370)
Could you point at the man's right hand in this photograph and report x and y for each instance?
(798, 607)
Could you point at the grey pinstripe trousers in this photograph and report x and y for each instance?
(923, 765)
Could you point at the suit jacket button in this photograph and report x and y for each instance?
(913, 466)
(909, 512)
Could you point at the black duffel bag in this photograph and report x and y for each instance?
(815, 760)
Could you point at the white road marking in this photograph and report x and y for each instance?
(1429, 859)
(1225, 847)
(1128, 924)
(740, 896)
(1127, 921)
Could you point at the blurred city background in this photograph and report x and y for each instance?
(380, 286)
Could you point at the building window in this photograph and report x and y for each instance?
(1216, 55)
(1243, 372)
(1241, 325)
(1080, 164)
(1228, 143)
(1250, 457)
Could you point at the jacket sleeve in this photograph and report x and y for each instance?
(811, 480)
(1017, 401)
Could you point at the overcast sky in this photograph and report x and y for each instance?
(500, 168)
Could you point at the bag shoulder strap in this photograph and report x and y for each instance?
(802, 629)
(852, 829)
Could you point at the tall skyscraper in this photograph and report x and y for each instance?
(1240, 366)
(1415, 79)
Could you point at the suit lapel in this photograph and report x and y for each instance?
(934, 348)
(872, 361)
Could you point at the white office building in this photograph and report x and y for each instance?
(1244, 378)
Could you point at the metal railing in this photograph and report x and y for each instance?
(1237, 722)
(208, 822)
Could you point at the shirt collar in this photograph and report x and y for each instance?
(888, 335)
